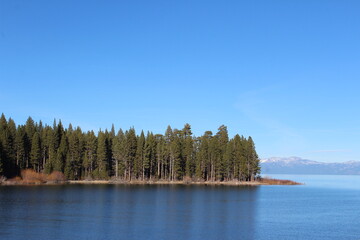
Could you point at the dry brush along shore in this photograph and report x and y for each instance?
(30, 177)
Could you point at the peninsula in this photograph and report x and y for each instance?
(35, 153)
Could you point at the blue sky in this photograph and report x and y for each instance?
(285, 72)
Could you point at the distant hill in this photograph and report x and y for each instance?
(296, 165)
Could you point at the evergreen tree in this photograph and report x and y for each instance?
(89, 162)
(4, 142)
(199, 159)
(169, 155)
(75, 152)
(207, 156)
(119, 151)
(188, 153)
(112, 131)
(253, 160)
(3, 123)
(102, 154)
(30, 129)
(149, 155)
(139, 167)
(58, 133)
(220, 148)
(61, 155)
(109, 143)
(49, 149)
(229, 161)
(1, 161)
(11, 131)
(237, 154)
(20, 141)
(177, 154)
(35, 155)
(130, 149)
(172, 156)
(7, 139)
(46, 137)
(161, 156)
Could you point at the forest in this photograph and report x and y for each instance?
(175, 155)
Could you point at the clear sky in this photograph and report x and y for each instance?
(285, 72)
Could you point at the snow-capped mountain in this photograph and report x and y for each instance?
(296, 165)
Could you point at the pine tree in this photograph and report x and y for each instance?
(214, 158)
(3, 123)
(102, 154)
(237, 157)
(160, 156)
(229, 160)
(75, 152)
(1, 161)
(188, 153)
(208, 150)
(139, 168)
(109, 143)
(11, 138)
(199, 159)
(4, 143)
(35, 155)
(58, 133)
(177, 154)
(149, 155)
(119, 151)
(20, 147)
(50, 151)
(241, 156)
(61, 155)
(169, 155)
(130, 149)
(89, 162)
(112, 131)
(220, 149)
(30, 128)
(173, 156)
(254, 161)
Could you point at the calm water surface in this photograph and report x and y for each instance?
(326, 207)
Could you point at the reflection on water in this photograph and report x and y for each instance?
(326, 207)
(128, 212)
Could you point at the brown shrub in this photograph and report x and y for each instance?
(56, 176)
(187, 180)
(15, 179)
(273, 181)
(31, 177)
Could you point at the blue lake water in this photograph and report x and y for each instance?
(326, 207)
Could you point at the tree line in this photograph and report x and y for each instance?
(174, 155)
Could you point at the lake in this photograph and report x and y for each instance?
(326, 207)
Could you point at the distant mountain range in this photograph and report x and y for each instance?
(296, 165)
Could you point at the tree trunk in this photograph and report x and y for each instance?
(170, 170)
(158, 169)
(117, 168)
(143, 172)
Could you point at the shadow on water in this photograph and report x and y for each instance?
(128, 212)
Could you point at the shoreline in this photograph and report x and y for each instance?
(262, 182)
